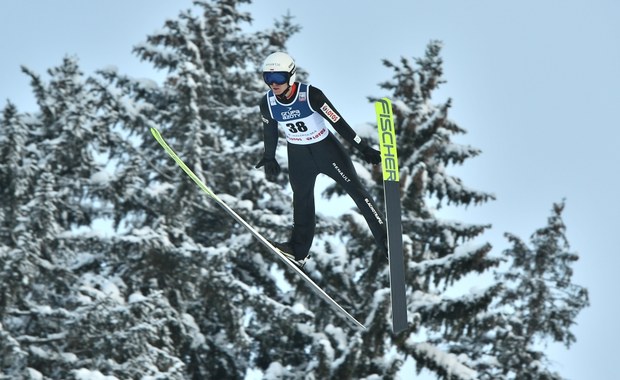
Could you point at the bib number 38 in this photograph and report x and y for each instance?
(297, 127)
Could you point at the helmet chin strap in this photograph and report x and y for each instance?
(284, 95)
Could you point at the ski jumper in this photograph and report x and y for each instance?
(313, 149)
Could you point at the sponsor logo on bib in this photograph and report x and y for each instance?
(290, 114)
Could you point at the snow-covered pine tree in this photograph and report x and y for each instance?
(539, 305)
(15, 164)
(64, 309)
(438, 252)
(177, 293)
(47, 158)
(178, 241)
(180, 291)
(16, 186)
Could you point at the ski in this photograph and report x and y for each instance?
(391, 190)
(311, 284)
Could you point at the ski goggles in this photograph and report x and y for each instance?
(277, 77)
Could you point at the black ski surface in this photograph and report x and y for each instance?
(391, 189)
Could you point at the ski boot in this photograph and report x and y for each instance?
(287, 250)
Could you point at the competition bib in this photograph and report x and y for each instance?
(300, 122)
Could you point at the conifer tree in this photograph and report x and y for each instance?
(15, 164)
(181, 243)
(438, 253)
(48, 164)
(63, 306)
(172, 249)
(178, 290)
(539, 305)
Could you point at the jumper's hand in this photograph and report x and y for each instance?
(371, 155)
(272, 168)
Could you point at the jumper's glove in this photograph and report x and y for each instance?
(371, 155)
(272, 168)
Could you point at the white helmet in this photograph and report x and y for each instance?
(282, 63)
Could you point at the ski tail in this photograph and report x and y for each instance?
(391, 188)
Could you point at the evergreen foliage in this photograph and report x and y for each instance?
(540, 302)
(113, 263)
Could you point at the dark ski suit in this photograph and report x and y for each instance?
(312, 149)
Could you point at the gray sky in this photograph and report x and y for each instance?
(535, 83)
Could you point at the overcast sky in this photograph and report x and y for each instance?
(535, 83)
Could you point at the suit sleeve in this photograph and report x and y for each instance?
(321, 104)
(270, 130)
